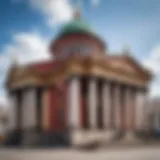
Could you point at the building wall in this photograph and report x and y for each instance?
(58, 108)
(64, 47)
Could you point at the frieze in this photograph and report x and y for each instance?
(75, 66)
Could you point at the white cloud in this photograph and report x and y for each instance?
(155, 87)
(95, 2)
(28, 47)
(153, 63)
(57, 11)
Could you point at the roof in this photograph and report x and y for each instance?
(47, 66)
(77, 25)
(114, 61)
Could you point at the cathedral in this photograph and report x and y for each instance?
(83, 94)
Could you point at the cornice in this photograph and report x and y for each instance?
(91, 66)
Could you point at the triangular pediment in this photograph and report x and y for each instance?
(123, 65)
(130, 65)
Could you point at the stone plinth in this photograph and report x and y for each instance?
(130, 137)
(82, 137)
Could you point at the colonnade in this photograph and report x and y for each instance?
(119, 102)
(122, 106)
(24, 109)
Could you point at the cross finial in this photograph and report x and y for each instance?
(78, 8)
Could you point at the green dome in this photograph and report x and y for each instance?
(76, 26)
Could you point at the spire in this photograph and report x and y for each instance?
(15, 60)
(126, 50)
(77, 10)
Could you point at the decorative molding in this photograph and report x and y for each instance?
(90, 66)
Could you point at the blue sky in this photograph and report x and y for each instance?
(27, 26)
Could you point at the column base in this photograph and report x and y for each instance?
(110, 135)
(130, 137)
(76, 137)
(82, 138)
(92, 137)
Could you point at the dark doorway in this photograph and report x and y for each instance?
(84, 103)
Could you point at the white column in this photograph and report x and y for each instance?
(128, 106)
(145, 113)
(74, 103)
(129, 136)
(140, 101)
(13, 112)
(106, 105)
(117, 106)
(92, 103)
(29, 109)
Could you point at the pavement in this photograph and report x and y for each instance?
(137, 153)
